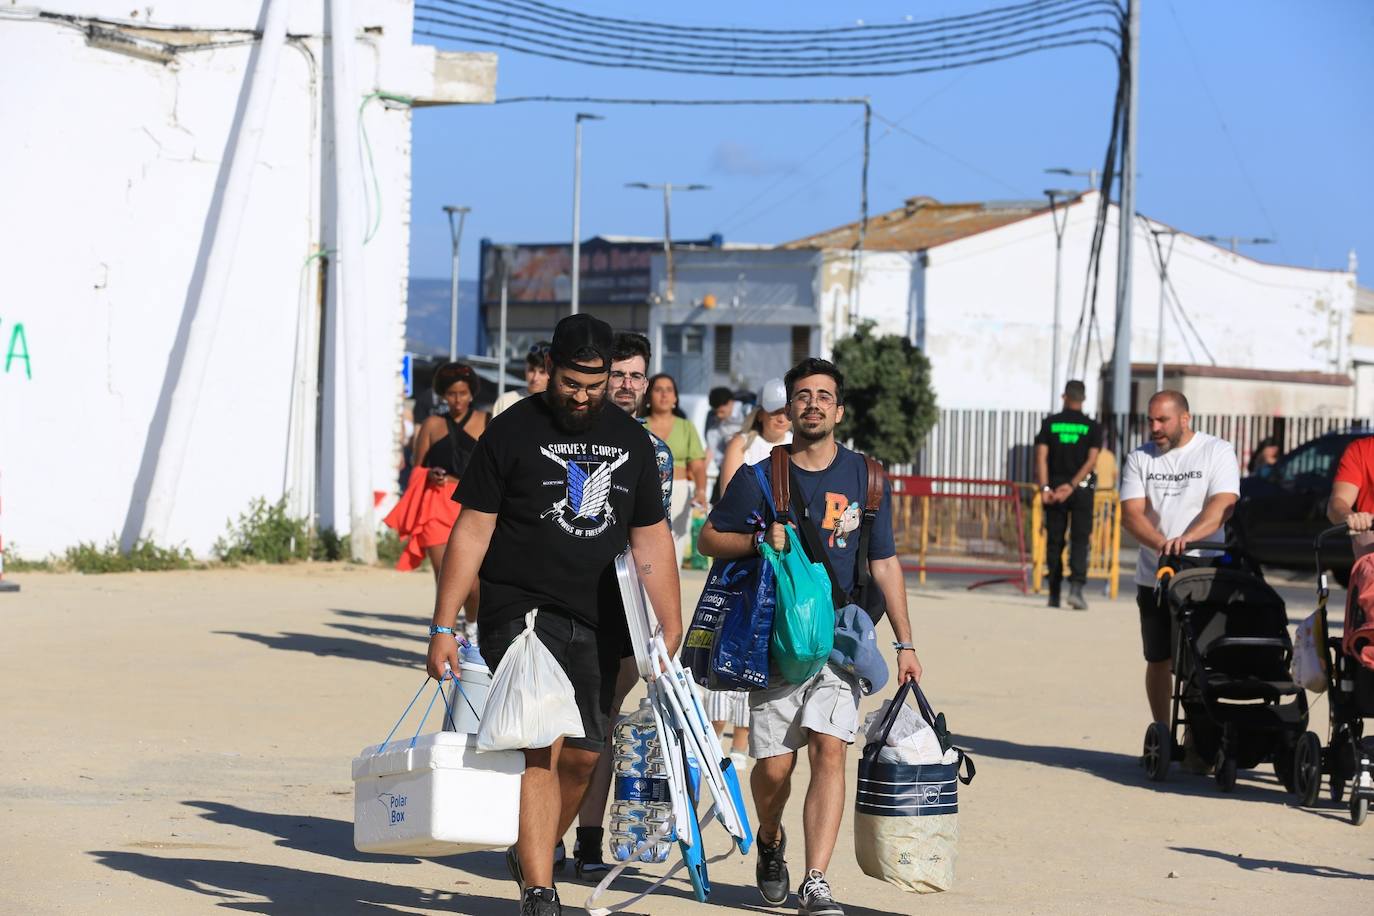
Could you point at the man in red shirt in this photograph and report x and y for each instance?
(1352, 493)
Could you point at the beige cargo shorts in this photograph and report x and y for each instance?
(779, 717)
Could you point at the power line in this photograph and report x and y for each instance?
(1226, 131)
(511, 18)
(944, 152)
(789, 34)
(633, 44)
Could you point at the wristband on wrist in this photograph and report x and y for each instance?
(899, 646)
(435, 631)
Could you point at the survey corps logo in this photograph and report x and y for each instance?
(585, 510)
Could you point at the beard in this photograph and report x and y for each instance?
(805, 429)
(567, 418)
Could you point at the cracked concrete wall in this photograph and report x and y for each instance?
(111, 163)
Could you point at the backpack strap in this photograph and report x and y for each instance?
(877, 482)
(781, 480)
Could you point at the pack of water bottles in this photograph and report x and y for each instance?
(642, 804)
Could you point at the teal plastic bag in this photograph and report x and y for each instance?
(804, 618)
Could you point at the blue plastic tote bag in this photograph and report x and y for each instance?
(804, 619)
(726, 647)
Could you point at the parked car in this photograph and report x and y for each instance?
(1278, 516)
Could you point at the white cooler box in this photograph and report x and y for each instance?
(440, 797)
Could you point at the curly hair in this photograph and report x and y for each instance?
(448, 373)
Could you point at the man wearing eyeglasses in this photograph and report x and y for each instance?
(822, 714)
(554, 491)
(536, 378)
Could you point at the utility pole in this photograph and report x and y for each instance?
(667, 222)
(1164, 255)
(1121, 352)
(1090, 174)
(1234, 241)
(577, 206)
(456, 235)
(1059, 227)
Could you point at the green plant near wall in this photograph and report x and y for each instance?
(89, 557)
(266, 533)
(889, 402)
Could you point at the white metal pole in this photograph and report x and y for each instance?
(351, 291)
(4, 586)
(209, 302)
(668, 237)
(505, 300)
(1058, 267)
(1121, 356)
(455, 233)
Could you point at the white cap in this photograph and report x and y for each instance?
(773, 397)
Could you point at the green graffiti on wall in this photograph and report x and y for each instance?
(18, 349)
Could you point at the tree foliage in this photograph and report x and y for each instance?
(889, 401)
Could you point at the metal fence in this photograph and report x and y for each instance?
(1000, 444)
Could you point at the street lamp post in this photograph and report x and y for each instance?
(1059, 226)
(577, 206)
(1234, 241)
(1090, 174)
(668, 223)
(455, 231)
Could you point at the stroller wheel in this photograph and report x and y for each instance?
(1157, 752)
(1359, 809)
(1226, 772)
(1307, 769)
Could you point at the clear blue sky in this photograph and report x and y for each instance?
(1256, 119)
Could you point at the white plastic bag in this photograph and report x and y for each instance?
(911, 740)
(1309, 657)
(530, 703)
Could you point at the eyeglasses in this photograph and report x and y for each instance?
(820, 398)
(635, 379)
(539, 349)
(572, 387)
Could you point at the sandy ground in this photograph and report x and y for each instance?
(180, 742)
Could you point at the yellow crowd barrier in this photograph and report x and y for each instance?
(1104, 548)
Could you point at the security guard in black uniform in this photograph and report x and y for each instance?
(1065, 454)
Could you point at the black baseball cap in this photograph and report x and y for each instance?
(582, 332)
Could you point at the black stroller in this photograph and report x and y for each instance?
(1349, 755)
(1233, 694)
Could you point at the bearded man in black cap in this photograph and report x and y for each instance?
(557, 487)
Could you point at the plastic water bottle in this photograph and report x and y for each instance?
(642, 804)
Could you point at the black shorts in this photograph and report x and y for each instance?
(590, 658)
(1156, 628)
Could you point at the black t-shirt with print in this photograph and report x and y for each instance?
(1069, 435)
(565, 503)
(834, 499)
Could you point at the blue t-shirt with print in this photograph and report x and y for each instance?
(834, 499)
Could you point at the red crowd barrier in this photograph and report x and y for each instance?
(961, 525)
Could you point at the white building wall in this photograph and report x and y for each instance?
(986, 303)
(113, 163)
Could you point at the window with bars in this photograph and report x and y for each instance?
(725, 339)
(801, 343)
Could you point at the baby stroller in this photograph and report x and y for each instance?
(1349, 664)
(1233, 694)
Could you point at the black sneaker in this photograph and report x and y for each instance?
(813, 897)
(770, 872)
(513, 866)
(541, 901)
(1076, 599)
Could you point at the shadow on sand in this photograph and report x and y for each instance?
(1288, 868)
(1257, 785)
(337, 646)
